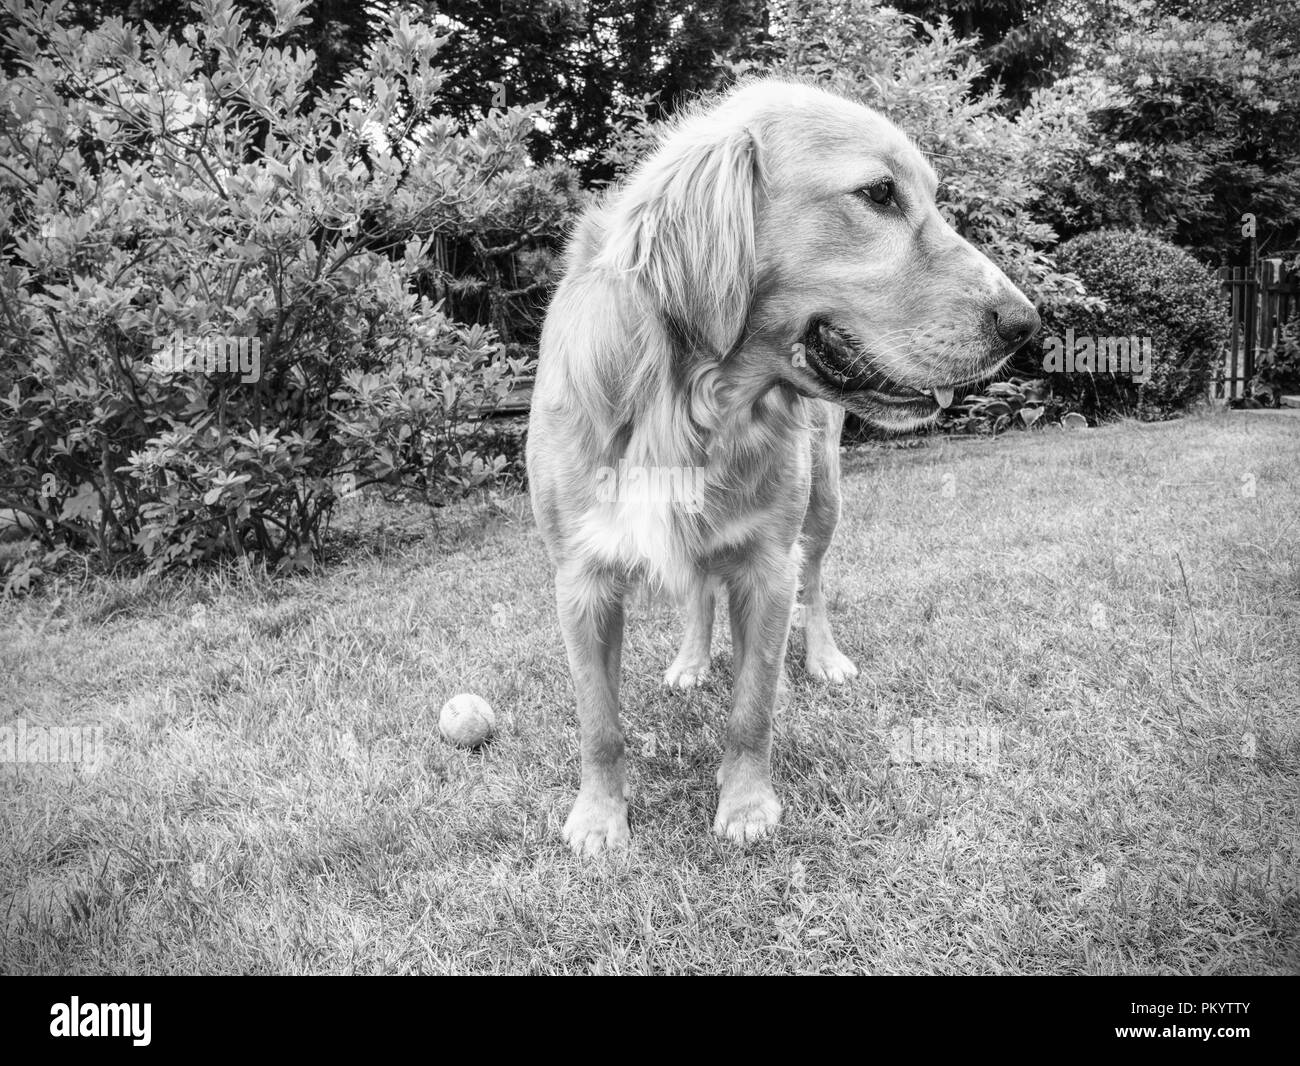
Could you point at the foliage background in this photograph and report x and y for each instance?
(379, 193)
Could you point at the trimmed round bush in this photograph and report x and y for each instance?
(1160, 300)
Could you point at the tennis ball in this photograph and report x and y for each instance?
(466, 720)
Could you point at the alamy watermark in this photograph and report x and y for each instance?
(1096, 355)
(209, 354)
(682, 486)
(38, 744)
(926, 742)
(122, 1020)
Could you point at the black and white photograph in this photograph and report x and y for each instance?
(619, 487)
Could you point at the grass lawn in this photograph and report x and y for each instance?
(273, 796)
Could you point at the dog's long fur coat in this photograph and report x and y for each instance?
(777, 259)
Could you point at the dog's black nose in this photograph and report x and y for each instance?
(1015, 321)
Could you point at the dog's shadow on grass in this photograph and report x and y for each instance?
(676, 738)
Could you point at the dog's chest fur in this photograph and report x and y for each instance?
(748, 495)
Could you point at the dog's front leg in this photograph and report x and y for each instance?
(591, 616)
(761, 598)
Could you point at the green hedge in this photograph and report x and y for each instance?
(1153, 290)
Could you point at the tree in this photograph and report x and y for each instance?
(588, 60)
(1022, 44)
(1194, 122)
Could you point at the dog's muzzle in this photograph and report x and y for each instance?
(845, 365)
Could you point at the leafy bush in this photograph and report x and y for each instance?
(159, 195)
(1180, 126)
(1017, 403)
(1152, 289)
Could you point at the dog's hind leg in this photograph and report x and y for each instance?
(691, 666)
(591, 616)
(822, 656)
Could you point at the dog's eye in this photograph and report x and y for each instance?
(879, 192)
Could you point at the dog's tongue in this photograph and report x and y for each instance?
(943, 397)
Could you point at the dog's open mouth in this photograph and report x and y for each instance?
(844, 364)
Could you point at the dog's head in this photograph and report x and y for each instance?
(798, 230)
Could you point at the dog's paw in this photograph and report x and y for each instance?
(596, 824)
(686, 673)
(831, 666)
(747, 812)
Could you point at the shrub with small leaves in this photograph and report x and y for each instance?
(162, 195)
(1150, 288)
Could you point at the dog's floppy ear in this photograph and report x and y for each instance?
(684, 229)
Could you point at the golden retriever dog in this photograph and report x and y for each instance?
(778, 259)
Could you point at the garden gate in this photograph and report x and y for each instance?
(1261, 299)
